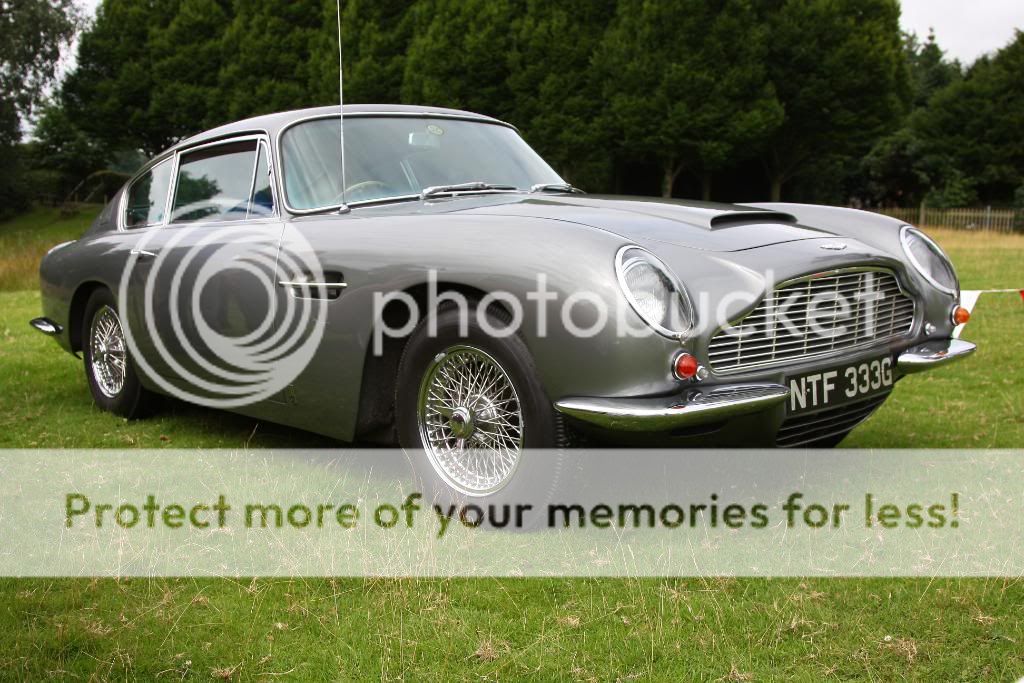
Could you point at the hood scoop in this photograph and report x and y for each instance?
(736, 218)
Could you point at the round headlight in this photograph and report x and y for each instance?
(653, 292)
(929, 260)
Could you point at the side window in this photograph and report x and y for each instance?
(216, 183)
(147, 197)
(261, 203)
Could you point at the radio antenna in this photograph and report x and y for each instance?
(341, 115)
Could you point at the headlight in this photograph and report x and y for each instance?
(653, 292)
(929, 260)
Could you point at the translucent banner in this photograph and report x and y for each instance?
(610, 512)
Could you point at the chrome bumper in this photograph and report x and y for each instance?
(695, 406)
(46, 326)
(933, 354)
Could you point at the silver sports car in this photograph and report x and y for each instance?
(421, 276)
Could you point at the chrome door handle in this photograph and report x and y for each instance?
(143, 253)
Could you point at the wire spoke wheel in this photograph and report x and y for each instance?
(470, 420)
(108, 352)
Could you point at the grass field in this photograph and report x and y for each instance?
(549, 629)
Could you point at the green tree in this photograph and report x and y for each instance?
(557, 97)
(32, 35)
(840, 74)
(109, 93)
(929, 69)
(375, 36)
(267, 56)
(900, 169)
(682, 89)
(187, 56)
(975, 125)
(458, 55)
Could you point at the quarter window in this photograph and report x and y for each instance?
(221, 183)
(147, 197)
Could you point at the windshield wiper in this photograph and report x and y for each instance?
(556, 187)
(475, 186)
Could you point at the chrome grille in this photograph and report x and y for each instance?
(815, 316)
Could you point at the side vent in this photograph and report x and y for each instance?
(725, 220)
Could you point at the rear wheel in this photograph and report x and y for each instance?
(113, 379)
(474, 417)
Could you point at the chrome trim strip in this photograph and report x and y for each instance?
(46, 326)
(292, 283)
(933, 354)
(174, 155)
(693, 407)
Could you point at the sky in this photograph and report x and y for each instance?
(965, 29)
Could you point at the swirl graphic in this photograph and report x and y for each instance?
(262, 336)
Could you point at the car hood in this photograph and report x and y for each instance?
(696, 225)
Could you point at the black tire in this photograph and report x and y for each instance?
(539, 471)
(132, 400)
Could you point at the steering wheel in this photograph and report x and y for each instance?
(364, 187)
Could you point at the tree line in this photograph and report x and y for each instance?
(804, 100)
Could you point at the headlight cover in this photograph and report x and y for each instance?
(653, 292)
(929, 260)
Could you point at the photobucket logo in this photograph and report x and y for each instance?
(261, 336)
(826, 306)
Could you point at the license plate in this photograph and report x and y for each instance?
(828, 388)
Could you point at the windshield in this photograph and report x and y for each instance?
(400, 156)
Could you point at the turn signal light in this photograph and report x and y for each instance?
(960, 315)
(685, 366)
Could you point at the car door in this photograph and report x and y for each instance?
(209, 275)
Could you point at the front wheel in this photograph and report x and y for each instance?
(474, 417)
(113, 379)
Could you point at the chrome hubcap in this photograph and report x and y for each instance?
(109, 357)
(470, 420)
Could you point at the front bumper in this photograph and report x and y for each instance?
(933, 354)
(698, 405)
(695, 406)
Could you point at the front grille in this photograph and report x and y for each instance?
(815, 316)
(805, 429)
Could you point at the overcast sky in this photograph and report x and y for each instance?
(966, 29)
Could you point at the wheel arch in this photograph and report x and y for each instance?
(375, 420)
(76, 311)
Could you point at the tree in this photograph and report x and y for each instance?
(458, 55)
(840, 75)
(375, 36)
(32, 35)
(900, 169)
(268, 56)
(110, 92)
(974, 124)
(557, 98)
(683, 89)
(929, 69)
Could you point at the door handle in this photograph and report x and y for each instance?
(142, 253)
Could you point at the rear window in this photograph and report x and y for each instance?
(147, 197)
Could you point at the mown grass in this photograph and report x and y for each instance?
(490, 629)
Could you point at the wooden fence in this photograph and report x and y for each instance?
(997, 220)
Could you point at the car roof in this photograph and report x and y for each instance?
(273, 123)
